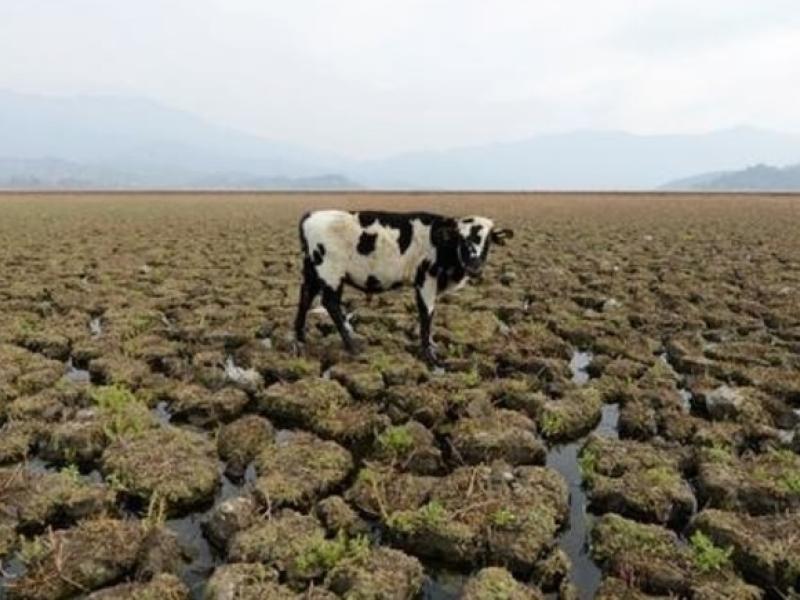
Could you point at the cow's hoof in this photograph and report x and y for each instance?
(356, 346)
(298, 347)
(430, 357)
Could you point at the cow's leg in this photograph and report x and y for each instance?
(331, 300)
(426, 304)
(308, 291)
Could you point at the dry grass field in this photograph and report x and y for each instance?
(619, 415)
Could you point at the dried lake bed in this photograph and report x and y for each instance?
(618, 416)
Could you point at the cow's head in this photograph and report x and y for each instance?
(469, 239)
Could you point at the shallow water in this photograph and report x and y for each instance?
(443, 584)
(96, 327)
(574, 540)
(578, 364)
(202, 559)
(74, 374)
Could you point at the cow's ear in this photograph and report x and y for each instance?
(444, 234)
(499, 236)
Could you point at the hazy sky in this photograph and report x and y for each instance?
(375, 77)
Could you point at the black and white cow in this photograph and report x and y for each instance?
(378, 251)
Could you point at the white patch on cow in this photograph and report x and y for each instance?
(429, 293)
(465, 226)
(339, 233)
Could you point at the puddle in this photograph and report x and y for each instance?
(680, 383)
(96, 327)
(241, 376)
(443, 584)
(578, 364)
(574, 540)
(202, 559)
(162, 413)
(609, 421)
(76, 375)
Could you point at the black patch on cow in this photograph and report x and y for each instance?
(303, 241)
(468, 220)
(419, 279)
(474, 234)
(366, 243)
(318, 254)
(403, 222)
(396, 285)
(373, 284)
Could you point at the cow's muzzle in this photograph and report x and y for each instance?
(474, 267)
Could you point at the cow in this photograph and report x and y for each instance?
(378, 251)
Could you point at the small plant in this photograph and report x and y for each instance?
(156, 512)
(328, 553)
(552, 424)
(472, 378)
(430, 515)
(503, 518)
(72, 472)
(396, 440)
(718, 453)
(587, 462)
(791, 481)
(707, 556)
(31, 550)
(123, 413)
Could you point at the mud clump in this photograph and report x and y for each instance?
(202, 408)
(409, 447)
(32, 500)
(508, 515)
(178, 467)
(637, 480)
(572, 416)
(298, 468)
(324, 406)
(164, 586)
(239, 442)
(765, 549)
(658, 563)
(228, 518)
(87, 557)
(377, 573)
(498, 435)
(759, 484)
(336, 515)
(495, 582)
(254, 581)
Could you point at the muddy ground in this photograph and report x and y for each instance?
(618, 417)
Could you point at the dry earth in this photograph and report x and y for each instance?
(618, 417)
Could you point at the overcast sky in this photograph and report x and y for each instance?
(374, 77)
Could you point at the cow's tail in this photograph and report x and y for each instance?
(301, 232)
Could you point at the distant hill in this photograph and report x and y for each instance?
(54, 174)
(118, 142)
(122, 142)
(582, 160)
(757, 177)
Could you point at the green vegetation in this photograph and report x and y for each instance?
(587, 462)
(72, 472)
(552, 423)
(122, 412)
(707, 556)
(396, 440)
(503, 518)
(328, 553)
(428, 516)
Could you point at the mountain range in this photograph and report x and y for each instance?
(121, 142)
